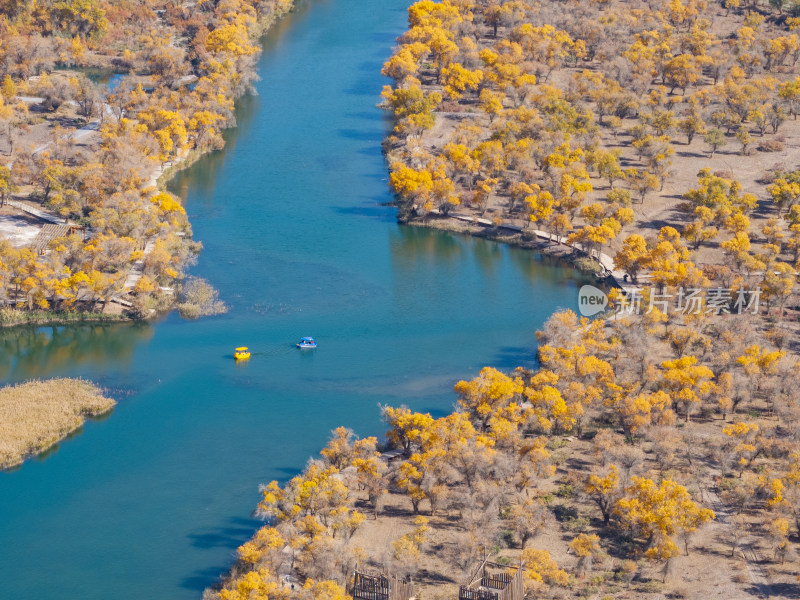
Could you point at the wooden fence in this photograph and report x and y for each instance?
(498, 586)
(380, 587)
(467, 594)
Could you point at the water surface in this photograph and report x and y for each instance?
(151, 502)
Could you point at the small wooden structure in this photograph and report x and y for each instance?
(501, 585)
(50, 232)
(380, 587)
(391, 455)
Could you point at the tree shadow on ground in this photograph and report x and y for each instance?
(397, 511)
(657, 224)
(431, 577)
(687, 154)
(779, 590)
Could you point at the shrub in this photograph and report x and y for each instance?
(681, 592)
(450, 106)
(584, 263)
(197, 298)
(565, 513)
(565, 490)
(578, 525)
(620, 196)
(771, 146)
(651, 587)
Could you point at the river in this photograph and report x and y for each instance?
(152, 501)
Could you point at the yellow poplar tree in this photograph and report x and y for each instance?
(657, 513)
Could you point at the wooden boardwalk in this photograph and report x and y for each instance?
(137, 268)
(39, 213)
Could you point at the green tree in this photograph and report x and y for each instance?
(715, 139)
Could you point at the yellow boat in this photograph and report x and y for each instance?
(242, 353)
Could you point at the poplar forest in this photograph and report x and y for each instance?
(88, 156)
(652, 454)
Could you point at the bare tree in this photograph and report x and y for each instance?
(87, 96)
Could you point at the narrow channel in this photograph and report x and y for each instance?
(152, 501)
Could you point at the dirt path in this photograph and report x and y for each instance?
(758, 576)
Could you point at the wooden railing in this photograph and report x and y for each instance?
(380, 587)
(498, 586)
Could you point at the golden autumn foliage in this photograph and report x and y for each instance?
(687, 382)
(487, 394)
(488, 459)
(516, 110)
(541, 569)
(199, 62)
(586, 545)
(657, 513)
(253, 585)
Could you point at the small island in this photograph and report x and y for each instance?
(36, 415)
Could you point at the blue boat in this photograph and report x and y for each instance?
(307, 342)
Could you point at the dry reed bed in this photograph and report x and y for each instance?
(36, 415)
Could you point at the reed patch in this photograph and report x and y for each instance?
(36, 415)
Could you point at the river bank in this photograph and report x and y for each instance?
(37, 415)
(166, 486)
(141, 238)
(589, 471)
(10, 317)
(158, 181)
(530, 239)
(511, 128)
(559, 472)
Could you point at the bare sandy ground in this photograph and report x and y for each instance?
(18, 230)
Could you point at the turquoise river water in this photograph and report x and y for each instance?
(152, 501)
